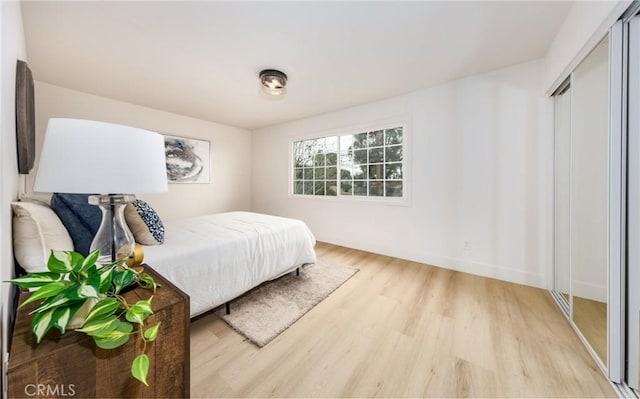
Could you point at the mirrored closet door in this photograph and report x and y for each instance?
(597, 201)
(581, 199)
(589, 194)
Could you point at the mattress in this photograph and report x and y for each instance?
(216, 258)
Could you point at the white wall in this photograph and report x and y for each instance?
(585, 25)
(13, 48)
(231, 149)
(481, 151)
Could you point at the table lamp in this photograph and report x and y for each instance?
(113, 161)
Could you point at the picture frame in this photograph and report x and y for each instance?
(188, 160)
(25, 118)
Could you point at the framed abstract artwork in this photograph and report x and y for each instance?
(188, 160)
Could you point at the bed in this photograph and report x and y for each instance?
(216, 258)
(213, 258)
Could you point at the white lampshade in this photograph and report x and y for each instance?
(90, 157)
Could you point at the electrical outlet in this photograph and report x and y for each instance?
(466, 245)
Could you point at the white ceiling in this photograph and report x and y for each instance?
(202, 59)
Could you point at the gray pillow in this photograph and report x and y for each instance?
(81, 219)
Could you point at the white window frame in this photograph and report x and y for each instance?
(405, 200)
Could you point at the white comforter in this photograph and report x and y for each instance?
(215, 258)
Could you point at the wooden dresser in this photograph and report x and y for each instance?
(70, 365)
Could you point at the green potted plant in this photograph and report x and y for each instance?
(76, 293)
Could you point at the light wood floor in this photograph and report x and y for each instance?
(403, 329)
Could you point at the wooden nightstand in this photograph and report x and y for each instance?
(70, 365)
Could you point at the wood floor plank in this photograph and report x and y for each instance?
(404, 329)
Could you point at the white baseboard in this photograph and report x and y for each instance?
(461, 265)
(486, 270)
(586, 290)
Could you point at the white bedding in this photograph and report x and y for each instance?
(215, 258)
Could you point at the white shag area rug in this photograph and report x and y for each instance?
(265, 312)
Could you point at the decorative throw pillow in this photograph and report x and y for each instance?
(144, 222)
(81, 219)
(36, 231)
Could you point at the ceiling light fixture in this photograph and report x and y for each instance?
(273, 82)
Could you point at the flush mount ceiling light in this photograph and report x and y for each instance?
(273, 82)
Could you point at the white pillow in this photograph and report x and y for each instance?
(36, 231)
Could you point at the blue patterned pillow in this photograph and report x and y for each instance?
(144, 222)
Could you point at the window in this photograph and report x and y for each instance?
(366, 164)
(315, 167)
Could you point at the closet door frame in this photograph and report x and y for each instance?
(614, 367)
(617, 203)
(632, 36)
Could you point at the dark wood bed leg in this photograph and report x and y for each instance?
(227, 308)
(297, 271)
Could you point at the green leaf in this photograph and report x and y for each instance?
(63, 298)
(140, 368)
(139, 311)
(106, 267)
(76, 260)
(122, 279)
(100, 326)
(59, 262)
(111, 340)
(72, 293)
(145, 305)
(62, 316)
(90, 287)
(106, 276)
(102, 309)
(115, 338)
(152, 332)
(35, 280)
(148, 281)
(46, 291)
(87, 291)
(112, 264)
(135, 316)
(41, 323)
(93, 276)
(91, 259)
